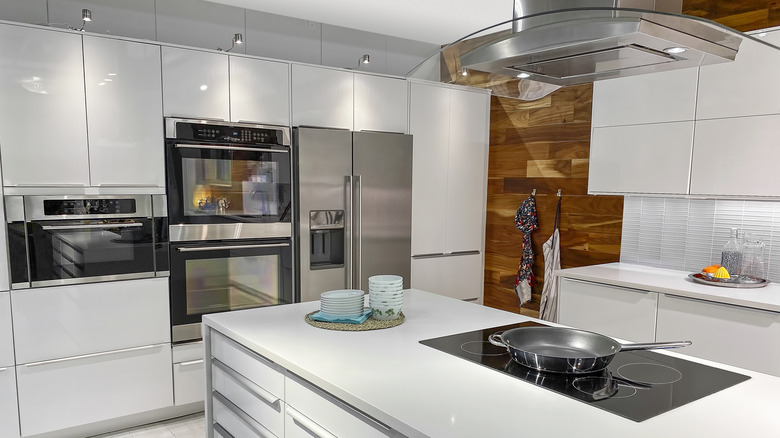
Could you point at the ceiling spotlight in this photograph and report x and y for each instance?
(674, 50)
(86, 15)
(365, 59)
(237, 39)
(523, 75)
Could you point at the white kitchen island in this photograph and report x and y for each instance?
(409, 389)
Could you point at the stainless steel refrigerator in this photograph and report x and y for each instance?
(354, 208)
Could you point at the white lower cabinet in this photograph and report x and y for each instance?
(6, 331)
(232, 422)
(615, 311)
(64, 393)
(733, 335)
(9, 410)
(189, 377)
(456, 276)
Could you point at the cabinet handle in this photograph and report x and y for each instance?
(308, 424)
(218, 248)
(249, 385)
(3, 369)
(611, 286)
(86, 227)
(126, 185)
(428, 256)
(242, 416)
(232, 148)
(221, 431)
(458, 253)
(701, 300)
(87, 356)
(191, 362)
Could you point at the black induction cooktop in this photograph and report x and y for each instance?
(636, 385)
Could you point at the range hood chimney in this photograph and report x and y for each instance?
(565, 42)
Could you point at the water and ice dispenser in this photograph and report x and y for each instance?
(326, 228)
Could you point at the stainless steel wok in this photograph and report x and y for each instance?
(566, 350)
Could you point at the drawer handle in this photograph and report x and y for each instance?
(700, 300)
(611, 286)
(242, 416)
(246, 383)
(191, 362)
(3, 369)
(221, 431)
(308, 424)
(86, 356)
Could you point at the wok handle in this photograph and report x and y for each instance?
(654, 346)
(495, 339)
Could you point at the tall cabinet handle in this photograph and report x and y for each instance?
(249, 385)
(359, 251)
(349, 230)
(309, 425)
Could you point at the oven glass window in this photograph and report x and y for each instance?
(220, 284)
(232, 187)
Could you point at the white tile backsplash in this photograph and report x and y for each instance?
(688, 234)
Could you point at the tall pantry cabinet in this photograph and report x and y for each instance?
(450, 126)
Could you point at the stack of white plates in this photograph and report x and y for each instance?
(343, 302)
(386, 296)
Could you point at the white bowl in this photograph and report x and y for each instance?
(385, 279)
(384, 313)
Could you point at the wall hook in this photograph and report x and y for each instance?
(533, 192)
(559, 193)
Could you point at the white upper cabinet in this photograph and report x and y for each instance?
(6, 331)
(747, 86)
(124, 113)
(259, 91)
(430, 127)
(322, 97)
(736, 156)
(381, 104)
(195, 84)
(659, 97)
(653, 158)
(467, 172)
(43, 131)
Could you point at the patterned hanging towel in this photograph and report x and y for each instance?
(526, 221)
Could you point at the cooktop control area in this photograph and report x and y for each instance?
(636, 385)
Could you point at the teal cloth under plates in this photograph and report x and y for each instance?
(359, 319)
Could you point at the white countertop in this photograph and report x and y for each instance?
(423, 392)
(674, 282)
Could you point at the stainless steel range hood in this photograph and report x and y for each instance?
(554, 43)
(566, 45)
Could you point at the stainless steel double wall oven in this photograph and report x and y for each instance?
(229, 191)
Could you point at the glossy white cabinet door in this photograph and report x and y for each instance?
(429, 124)
(747, 86)
(738, 336)
(322, 97)
(43, 129)
(381, 104)
(124, 113)
(6, 331)
(66, 321)
(467, 171)
(78, 391)
(9, 410)
(4, 273)
(654, 158)
(195, 84)
(459, 276)
(659, 97)
(736, 156)
(189, 377)
(259, 91)
(627, 314)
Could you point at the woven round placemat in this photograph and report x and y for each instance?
(370, 324)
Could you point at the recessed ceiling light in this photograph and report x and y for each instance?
(204, 87)
(674, 50)
(523, 75)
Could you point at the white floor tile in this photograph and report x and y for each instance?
(191, 426)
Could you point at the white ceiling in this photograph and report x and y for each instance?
(432, 21)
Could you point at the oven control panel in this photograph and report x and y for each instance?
(78, 207)
(228, 134)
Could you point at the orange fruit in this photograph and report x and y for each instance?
(710, 269)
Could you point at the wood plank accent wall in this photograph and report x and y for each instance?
(545, 145)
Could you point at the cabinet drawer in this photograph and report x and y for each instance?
(310, 410)
(264, 407)
(232, 421)
(9, 412)
(189, 382)
(722, 332)
(81, 390)
(255, 368)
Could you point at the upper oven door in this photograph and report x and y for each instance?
(228, 184)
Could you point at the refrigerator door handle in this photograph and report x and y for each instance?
(349, 229)
(359, 237)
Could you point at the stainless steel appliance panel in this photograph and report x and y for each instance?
(382, 168)
(324, 167)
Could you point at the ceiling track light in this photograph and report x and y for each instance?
(86, 16)
(237, 39)
(365, 59)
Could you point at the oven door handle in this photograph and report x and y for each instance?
(217, 248)
(82, 227)
(230, 148)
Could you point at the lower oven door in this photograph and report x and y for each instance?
(210, 277)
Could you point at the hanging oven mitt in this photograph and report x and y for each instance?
(526, 221)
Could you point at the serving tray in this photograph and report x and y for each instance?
(742, 281)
